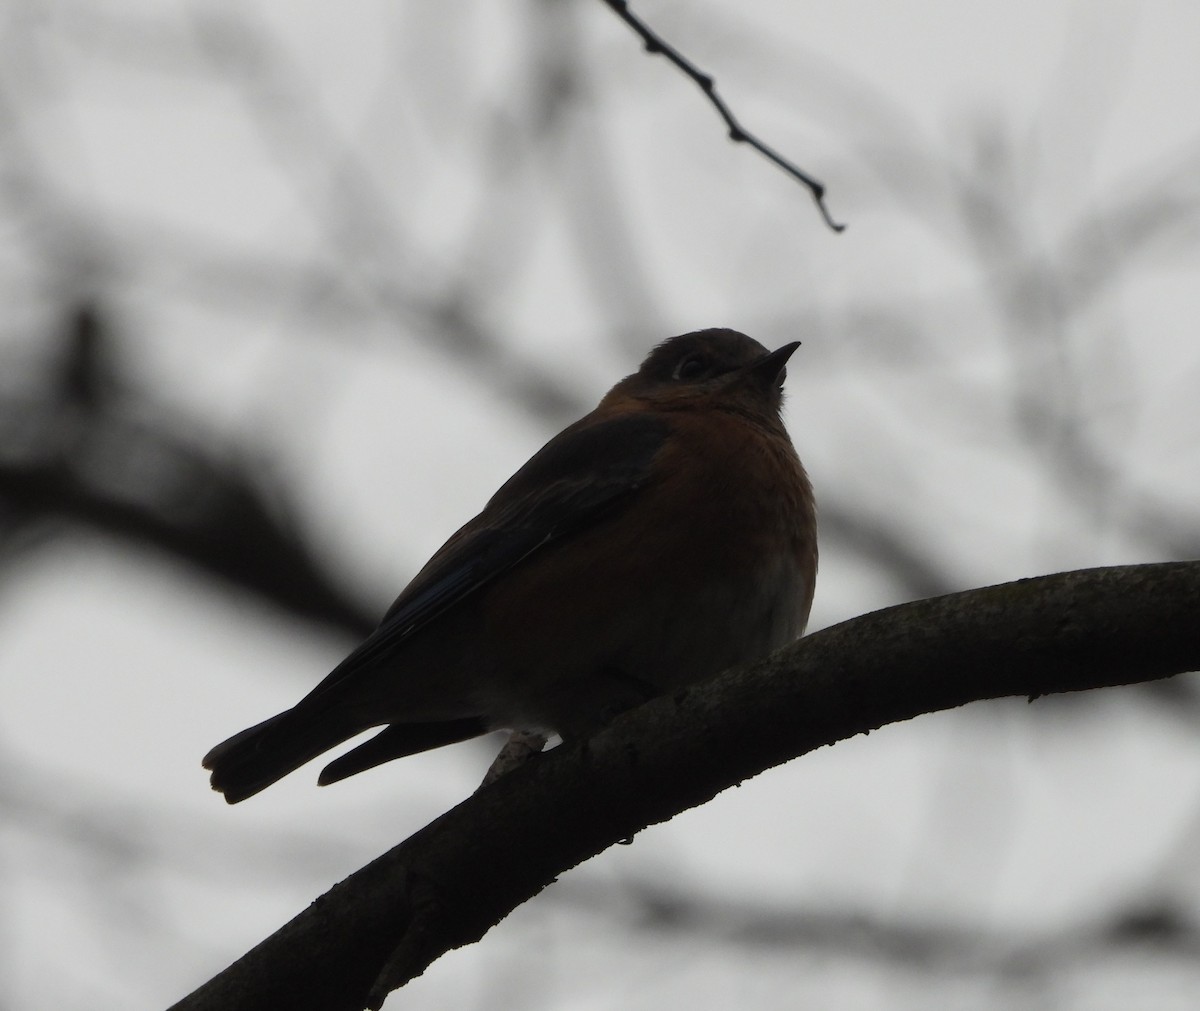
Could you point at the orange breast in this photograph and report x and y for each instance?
(711, 564)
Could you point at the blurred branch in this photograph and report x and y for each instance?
(410, 284)
(452, 881)
(207, 512)
(1040, 296)
(109, 830)
(656, 44)
(883, 544)
(88, 450)
(613, 261)
(937, 947)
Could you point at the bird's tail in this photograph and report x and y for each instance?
(254, 759)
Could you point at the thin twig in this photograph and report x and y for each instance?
(655, 43)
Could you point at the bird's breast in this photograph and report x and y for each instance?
(710, 565)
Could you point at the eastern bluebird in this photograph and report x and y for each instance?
(664, 537)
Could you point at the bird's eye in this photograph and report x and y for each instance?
(692, 367)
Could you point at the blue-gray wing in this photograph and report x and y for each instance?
(586, 472)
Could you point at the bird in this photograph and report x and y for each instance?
(662, 538)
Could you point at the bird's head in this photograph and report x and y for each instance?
(718, 367)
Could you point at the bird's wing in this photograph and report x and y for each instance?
(582, 474)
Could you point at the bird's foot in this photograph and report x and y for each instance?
(521, 746)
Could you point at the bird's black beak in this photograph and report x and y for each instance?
(772, 368)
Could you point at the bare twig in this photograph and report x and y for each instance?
(655, 43)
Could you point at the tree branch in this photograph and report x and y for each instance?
(90, 446)
(655, 43)
(447, 885)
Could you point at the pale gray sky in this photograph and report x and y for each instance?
(277, 199)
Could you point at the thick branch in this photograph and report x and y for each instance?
(451, 882)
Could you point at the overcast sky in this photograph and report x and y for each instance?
(288, 209)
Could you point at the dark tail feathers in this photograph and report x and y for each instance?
(254, 759)
(398, 741)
